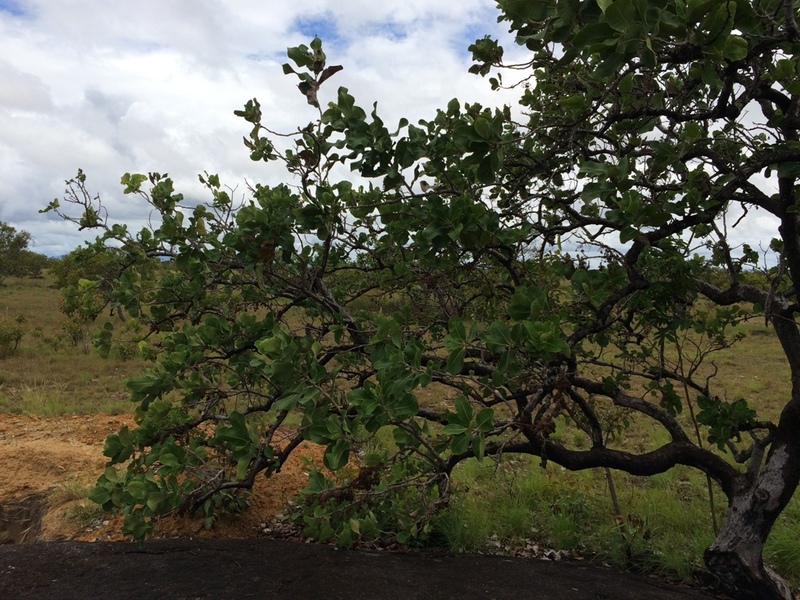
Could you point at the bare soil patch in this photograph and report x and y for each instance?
(43, 459)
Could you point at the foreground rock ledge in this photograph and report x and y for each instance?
(224, 568)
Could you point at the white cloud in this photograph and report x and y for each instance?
(113, 87)
(22, 90)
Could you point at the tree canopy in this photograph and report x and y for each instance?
(571, 259)
(15, 258)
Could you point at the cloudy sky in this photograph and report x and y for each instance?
(113, 87)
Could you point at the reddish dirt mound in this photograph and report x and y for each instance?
(47, 462)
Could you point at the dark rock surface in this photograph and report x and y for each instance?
(267, 568)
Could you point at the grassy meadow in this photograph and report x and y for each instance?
(514, 507)
(55, 370)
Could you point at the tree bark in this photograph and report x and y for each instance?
(736, 554)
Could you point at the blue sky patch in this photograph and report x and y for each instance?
(393, 31)
(324, 27)
(11, 7)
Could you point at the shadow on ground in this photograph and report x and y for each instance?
(226, 568)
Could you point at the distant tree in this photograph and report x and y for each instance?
(15, 258)
(87, 270)
(10, 336)
(31, 264)
(86, 262)
(530, 272)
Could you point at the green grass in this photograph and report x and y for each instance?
(664, 527)
(81, 511)
(756, 369)
(783, 547)
(48, 375)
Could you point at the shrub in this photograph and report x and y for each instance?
(10, 336)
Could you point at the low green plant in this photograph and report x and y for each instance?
(68, 491)
(783, 549)
(514, 506)
(85, 514)
(382, 502)
(10, 336)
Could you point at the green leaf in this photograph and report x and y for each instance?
(454, 429)
(478, 447)
(319, 434)
(455, 361)
(526, 10)
(355, 526)
(498, 337)
(169, 460)
(137, 489)
(463, 410)
(604, 4)
(459, 443)
(132, 182)
(735, 48)
(485, 172)
(403, 437)
(336, 455)
(456, 328)
(301, 56)
(621, 15)
(520, 307)
(269, 346)
(596, 33)
(484, 420)
(574, 102)
(482, 127)
(404, 407)
(154, 501)
(453, 107)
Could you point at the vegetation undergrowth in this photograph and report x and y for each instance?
(516, 508)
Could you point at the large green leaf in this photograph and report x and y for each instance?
(621, 15)
(336, 455)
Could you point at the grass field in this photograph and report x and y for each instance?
(52, 373)
(513, 507)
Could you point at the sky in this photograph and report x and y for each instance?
(113, 87)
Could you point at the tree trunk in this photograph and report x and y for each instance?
(736, 554)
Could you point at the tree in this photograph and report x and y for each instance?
(15, 258)
(576, 264)
(31, 264)
(85, 263)
(85, 276)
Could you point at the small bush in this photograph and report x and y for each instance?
(10, 337)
